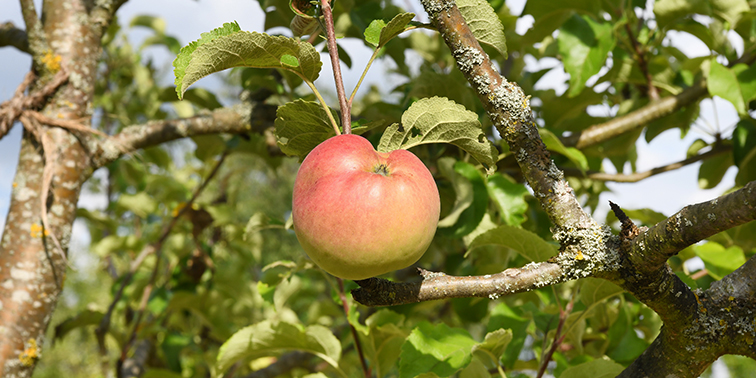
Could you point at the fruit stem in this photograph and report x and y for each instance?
(333, 51)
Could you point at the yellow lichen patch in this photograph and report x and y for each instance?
(579, 255)
(31, 354)
(731, 298)
(51, 61)
(36, 231)
(15, 184)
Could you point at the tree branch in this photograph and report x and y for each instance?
(10, 35)
(638, 176)
(36, 40)
(238, 119)
(692, 224)
(641, 117)
(509, 110)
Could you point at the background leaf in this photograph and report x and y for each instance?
(436, 349)
(484, 23)
(526, 243)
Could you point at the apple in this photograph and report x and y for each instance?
(360, 213)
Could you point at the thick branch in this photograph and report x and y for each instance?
(381, 292)
(509, 110)
(594, 252)
(239, 119)
(692, 224)
(36, 42)
(10, 35)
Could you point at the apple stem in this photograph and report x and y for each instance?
(357, 344)
(333, 51)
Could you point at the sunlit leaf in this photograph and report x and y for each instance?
(270, 338)
(484, 23)
(228, 47)
(526, 243)
(436, 349)
(439, 120)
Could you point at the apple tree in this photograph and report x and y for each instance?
(198, 272)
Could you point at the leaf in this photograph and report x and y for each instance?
(493, 347)
(436, 349)
(157, 24)
(554, 144)
(484, 23)
(82, 319)
(526, 243)
(228, 47)
(747, 80)
(373, 32)
(472, 197)
(712, 170)
(509, 198)
(184, 56)
(505, 317)
(439, 120)
(743, 141)
(584, 45)
(600, 368)
(384, 339)
(595, 290)
(723, 82)
(269, 338)
(300, 126)
(696, 146)
(141, 204)
(396, 26)
(718, 260)
(668, 11)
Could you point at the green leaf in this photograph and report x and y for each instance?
(696, 146)
(436, 349)
(668, 11)
(269, 338)
(395, 27)
(595, 290)
(157, 24)
(505, 317)
(439, 120)
(493, 347)
(718, 260)
(484, 23)
(472, 197)
(229, 47)
(384, 339)
(526, 243)
(723, 82)
(300, 126)
(141, 204)
(584, 45)
(600, 368)
(184, 57)
(373, 32)
(747, 80)
(554, 144)
(712, 170)
(82, 319)
(743, 140)
(509, 198)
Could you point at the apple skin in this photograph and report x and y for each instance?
(353, 220)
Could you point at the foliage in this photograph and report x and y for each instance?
(233, 288)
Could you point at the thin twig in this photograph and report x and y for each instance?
(333, 52)
(357, 344)
(558, 336)
(155, 247)
(653, 93)
(638, 176)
